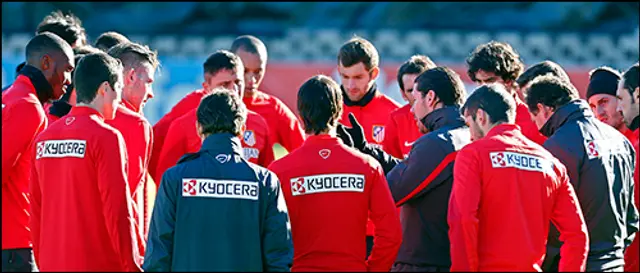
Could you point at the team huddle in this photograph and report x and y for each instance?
(520, 174)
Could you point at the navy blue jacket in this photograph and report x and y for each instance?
(600, 162)
(423, 213)
(215, 211)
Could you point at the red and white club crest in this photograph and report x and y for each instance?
(378, 133)
(189, 187)
(592, 149)
(297, 185)
(249, 138)
(325, 153)
(39, 149)
(498, 160)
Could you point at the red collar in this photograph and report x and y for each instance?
(85, 111)
(128, 105)
(323, 139)
(500, 129)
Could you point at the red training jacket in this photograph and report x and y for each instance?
(401, 132)
(528, 127)
(183, 138)
(330, 189)
(138, 138)
(506, 189)
(632, 254)
(284, 126)
(23, 118)
(160, 129)
(82, 218)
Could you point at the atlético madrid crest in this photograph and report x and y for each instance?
(378, 133)
(249, 138)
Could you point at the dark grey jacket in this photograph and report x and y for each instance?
(600, 162)
(217, 212)
(423, 213)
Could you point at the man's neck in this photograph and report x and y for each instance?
(90, 105)
(329, 132)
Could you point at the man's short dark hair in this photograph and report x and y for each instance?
(358, 50)
(549, 91)
(445, 83)
(222, 111)
(415, 65)
(250, 44)
(222, 60)
(319, 104)
(494, 100)
(539, 69)
(495, 57)
(85, 49)
(67, 26)
(132, 55)
(630, 78)
(45, 43)
(109, 39)
(92, 70)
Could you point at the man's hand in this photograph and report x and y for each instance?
(356, 133)
(342, 133)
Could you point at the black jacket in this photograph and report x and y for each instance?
(600, 162)
(215, 211)
(424, 212)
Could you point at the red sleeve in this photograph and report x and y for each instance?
(20, 125)
(567, 217)
(388, 232)
(289, 131)
(35, 197)
(390, 144)
(528, 128)
(116, 200)
(173, 148)
(266, 155)
(463, 211)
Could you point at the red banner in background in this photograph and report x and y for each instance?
(283, 80)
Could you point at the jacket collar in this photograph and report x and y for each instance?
(85, 111)
(635, 124)
(44, 91)
(128, 105)
(571, 111)
(445, 116)
(60, 108)
(362, 102)
(323, 139)
(222, 142)
(501, 129)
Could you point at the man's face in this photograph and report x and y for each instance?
(604, 106)
(420, 107)
(138, 85)
(112, 97)
(356, 80)
(57, 69)
(474, 127)
(254, 69)
(542, 116)
(407, 82)
(230, 79)
(628, 103)
(485, 77)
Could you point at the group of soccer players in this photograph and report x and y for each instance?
(520, 174)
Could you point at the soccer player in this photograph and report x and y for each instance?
(330, 189)
(214, 210)
(358, 65)
(43, 79)
(109, 39)
(221, 69)
(628, 95)
(600, 162)
(82, 208)
(421, 184)
(539, 69)
(284, 126)
(601, 95)
(402, 128)
(505, 191)
(140, 64)
(499, 62)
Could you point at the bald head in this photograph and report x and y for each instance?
(250, 44)
(46, 43)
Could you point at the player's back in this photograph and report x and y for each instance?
(73, 227)
(328, 189)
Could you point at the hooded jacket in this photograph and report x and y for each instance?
(600, 163)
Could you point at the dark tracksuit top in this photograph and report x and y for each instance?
(600, 162)
(217, 212)
(422, 183)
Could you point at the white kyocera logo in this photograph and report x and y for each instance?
(520, 161)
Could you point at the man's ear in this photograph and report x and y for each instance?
(102, 90)
(129, 76)
(481, 117)
(46, 62)
(375, 72)
(636, 94)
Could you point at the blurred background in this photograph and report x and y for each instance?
(303, 38)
